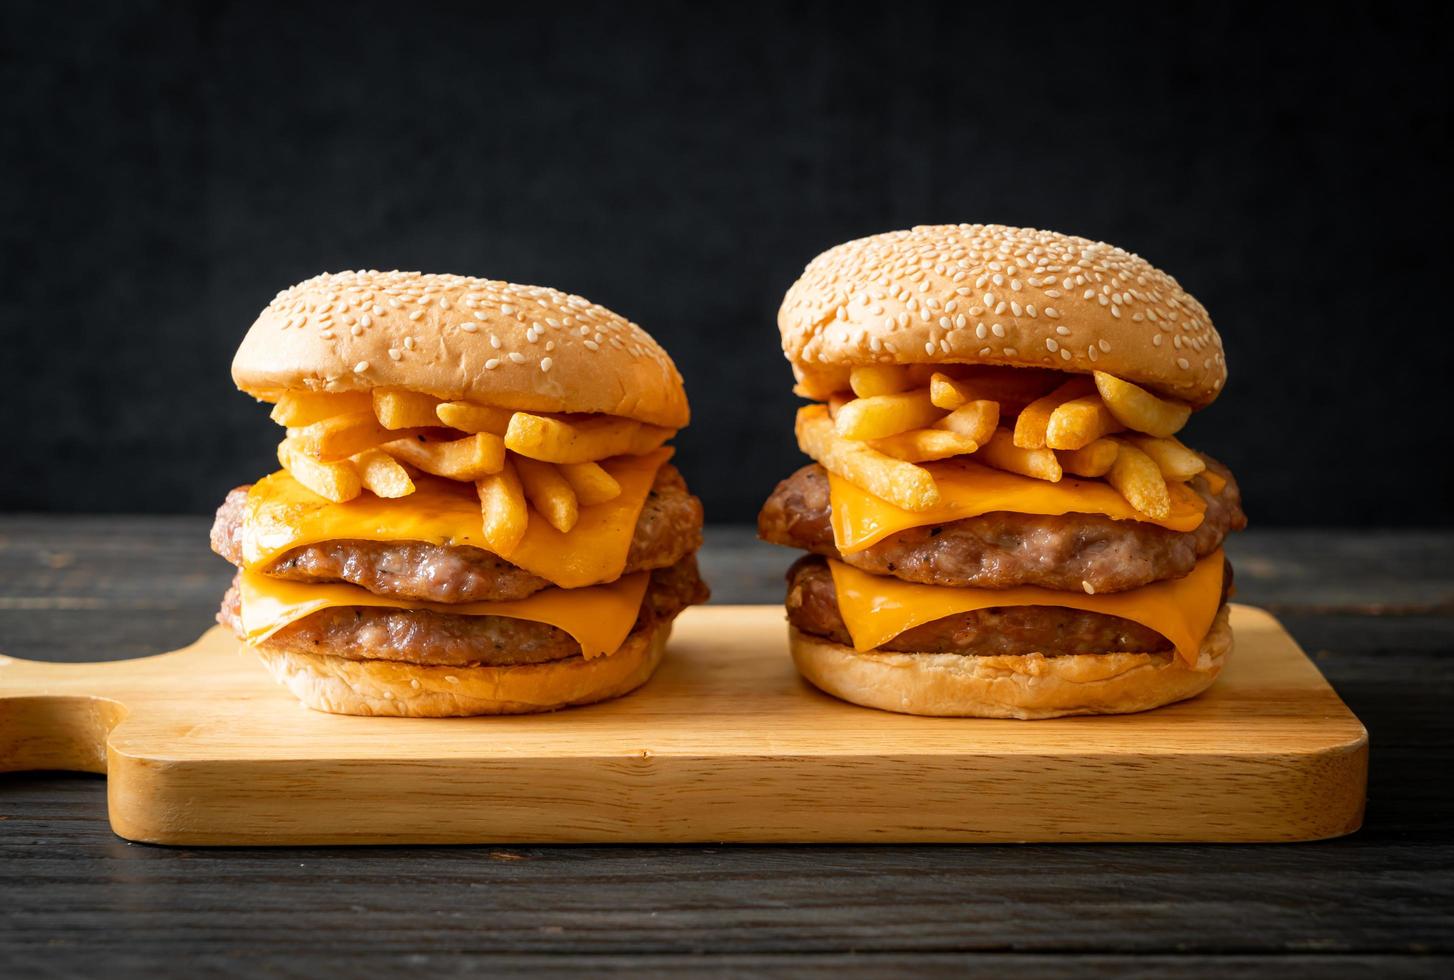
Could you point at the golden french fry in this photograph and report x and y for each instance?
(1002, 453)
(902, 484)
(818, 384)
(470, 458)
(1012, 388)
(382, 474)
(592, 484)
(1034, 420)
(297, 408)
(335, 481)
(344, 435)
(1175, 460)
(584, 440)
(469, 417)
(880, 416)
(923, 445)
(502, 509)
(1080, 422)
(1139, 480)
(878, 379)
(947, 393)
(1136, 408)
(398, 409)
(976, 419)
(1091, 460)
(548, 492)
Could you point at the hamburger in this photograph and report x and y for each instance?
(475, 511)
(1000, 519)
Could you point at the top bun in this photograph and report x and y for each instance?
(459, 338)
(990, 294)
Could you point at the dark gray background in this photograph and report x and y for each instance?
(167, 167)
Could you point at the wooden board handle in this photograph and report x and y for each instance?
(58, 716)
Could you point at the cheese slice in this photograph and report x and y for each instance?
(861, 520)
(599, 618)
(282, 514)
(877, 608)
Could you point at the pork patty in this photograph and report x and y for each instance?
(1000, 631)
(423, 636)
(669, 528)
(1001, 550)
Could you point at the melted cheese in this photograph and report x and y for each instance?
(861, 520)
(599, 618)
(877, 608)
(282, 514)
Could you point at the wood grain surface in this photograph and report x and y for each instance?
(1374, 610)
(725, 743)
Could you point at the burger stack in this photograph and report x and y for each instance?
(475, 511)
(1001, 519)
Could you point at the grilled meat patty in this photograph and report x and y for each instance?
(426, 637)
(1001, 550)
(669, 528)
(812, 605)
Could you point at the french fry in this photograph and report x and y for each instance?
(592, 484)
(502, 509)
(976, 419)
(1136, 408)
(1033, 421)
(1091, 460)
(836, 402)
(1013, 388)
(947, 393)
(1175, 460)
(470, 458)
(1080, 422)
(469, 417)
(1139, 480)
(880, 416)
(397, 409)
(819, 384)
(1002, 453)
(548, 492)
(382, 474)
(344, 435)
(335, 481)
(297, 408)
(878, 379)
(923, 445)
(553, 440)
(902, 484)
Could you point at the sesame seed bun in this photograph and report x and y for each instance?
(1026, 687)
(459, 338)
(989, 294)
(387, 687)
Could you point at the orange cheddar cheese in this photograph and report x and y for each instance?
(861, 520)
(599, 618)
(877, 608)
(281, 514)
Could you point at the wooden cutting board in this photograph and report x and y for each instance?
(725, 743)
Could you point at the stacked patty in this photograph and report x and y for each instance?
(1068, 552)
(666, 538)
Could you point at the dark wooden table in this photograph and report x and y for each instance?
(1375, 609)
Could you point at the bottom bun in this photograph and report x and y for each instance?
(1028, 686)
(387, 687)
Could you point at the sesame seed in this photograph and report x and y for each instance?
(492, 363)
(1051, 345)
(546, 363)
(360, 367)
(592, 345)
(416, 314)
(395, 353)
(469, 326)
(516, 357)
(1183, 363)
